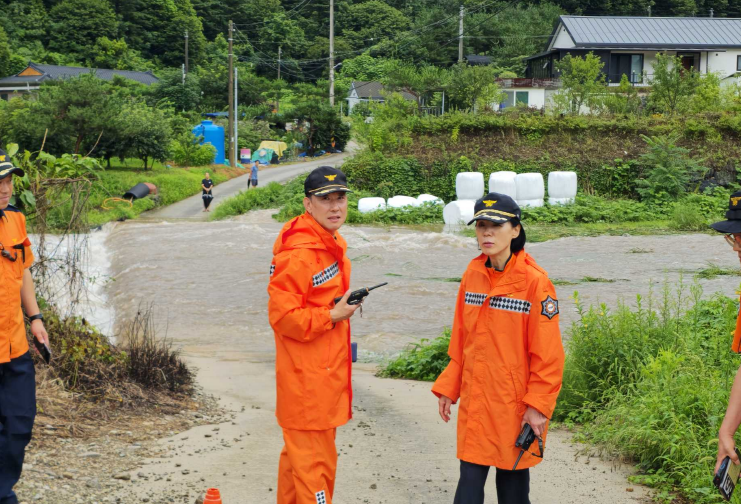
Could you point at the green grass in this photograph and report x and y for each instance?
(713, 270)
(173, 184)
(419, 361)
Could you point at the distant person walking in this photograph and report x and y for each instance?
(207, 184)
(253, 174)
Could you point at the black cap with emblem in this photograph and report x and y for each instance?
(6, 167)
(500, 208)
(733, 224)
(325, 180)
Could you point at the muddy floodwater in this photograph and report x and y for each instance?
(208, 279)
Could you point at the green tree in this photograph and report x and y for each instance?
(582, 81)
(25, 21)
(170, 89)
(474, 87)
(707, 97)
(372, 19)
(318, 121)
(669, 169)
(145, 133)
(77, 24)
(624, 99)
(116, 54)
(420, 82)
(672, 85)
(6, 56)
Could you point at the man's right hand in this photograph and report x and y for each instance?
(443, 405)
(726, 448)
(342, 310)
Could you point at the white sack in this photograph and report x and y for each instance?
(562, 184)
(503, 182)
(469, 185)
(366, 205)
(402, 201)
(458, 212)
(530, 186)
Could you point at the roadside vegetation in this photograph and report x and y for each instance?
(648, 384)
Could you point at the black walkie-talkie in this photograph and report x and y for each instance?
(524, 440)
(357, 296)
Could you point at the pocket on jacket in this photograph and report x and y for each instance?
(519, 389)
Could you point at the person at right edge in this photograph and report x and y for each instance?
(310, 269)
(731, 228)
(506, 357)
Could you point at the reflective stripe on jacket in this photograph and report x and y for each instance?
(14, 240)
(312, 362)
(506, 353)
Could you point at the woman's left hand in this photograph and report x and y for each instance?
(536, 419)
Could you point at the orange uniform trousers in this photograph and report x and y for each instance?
(308, 464)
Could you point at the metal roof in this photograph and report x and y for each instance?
(654, 32)
(65, 72)
(475, 59)
(371, 90)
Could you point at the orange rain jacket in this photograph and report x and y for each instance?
(312, 362)
(736, 347)
(506, 353)
(13, 237)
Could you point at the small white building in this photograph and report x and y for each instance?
(629, 45)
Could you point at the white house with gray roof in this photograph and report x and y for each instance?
(35, 74)
(629, 45)
(367, 91)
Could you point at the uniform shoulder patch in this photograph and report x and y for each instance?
(550, 307)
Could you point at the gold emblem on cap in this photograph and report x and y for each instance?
(330, 177)
(735, 201)
(2, 158)
(489, 203)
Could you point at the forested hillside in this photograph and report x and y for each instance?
(149, 34)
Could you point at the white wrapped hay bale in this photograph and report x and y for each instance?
(429, 198)
(458, 212)
(560, 201)
(469, 185)
(366, 205)
(503, 182)
(531, 203)
(402, 201)
(530, 189)
(562, 185)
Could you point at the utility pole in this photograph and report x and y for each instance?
(187, 68)
(277, 100)
(232, 160)
(236, 116)
(331, 52)
(649, 11)
(460, 37)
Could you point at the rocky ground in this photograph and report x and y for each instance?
(69, 464)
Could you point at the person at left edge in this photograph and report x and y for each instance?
(731, 228)
(207, 184)
(312, 338)
(17, 375)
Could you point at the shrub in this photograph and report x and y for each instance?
(688, 217)
(652, 384)
(420, 361)
(186, 151)
(669, 169)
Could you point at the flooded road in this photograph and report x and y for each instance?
(208, 280)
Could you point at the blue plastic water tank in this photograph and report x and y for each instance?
(214, 135)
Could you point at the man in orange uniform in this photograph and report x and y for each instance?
(312, 339)
(17, 375)
(506, 356)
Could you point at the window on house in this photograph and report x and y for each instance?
(4, 96)
(738, 63)
(522, 97)
(509, 99)
(626, 64)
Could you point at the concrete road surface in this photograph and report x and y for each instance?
(192, 208)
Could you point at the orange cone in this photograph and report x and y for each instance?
(212, 496)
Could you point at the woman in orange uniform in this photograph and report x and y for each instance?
(506, 356)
